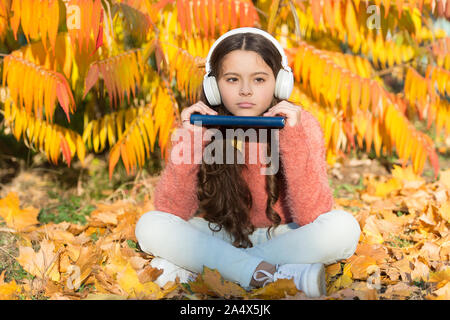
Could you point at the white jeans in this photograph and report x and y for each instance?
(333, 236)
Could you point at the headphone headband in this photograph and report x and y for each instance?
(267, 35)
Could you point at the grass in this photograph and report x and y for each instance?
(69, 204)
(70, 196)
(399, 242)
(8, 253)
(349, 188)
(70, 210)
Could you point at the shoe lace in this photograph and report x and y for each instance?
(268, 276)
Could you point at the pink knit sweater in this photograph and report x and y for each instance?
(305, 191)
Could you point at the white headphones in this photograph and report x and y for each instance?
(284, 80)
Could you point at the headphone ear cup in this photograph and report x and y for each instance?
(284, 84)
(211, 91)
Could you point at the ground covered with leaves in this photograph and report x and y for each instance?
(55, 247)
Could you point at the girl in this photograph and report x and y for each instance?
(252, 228)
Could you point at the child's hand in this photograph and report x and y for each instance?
(287, 109)
(199, 107)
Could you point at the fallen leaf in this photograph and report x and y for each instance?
(442, 275)
(149, 274)
(363, 291)
(360, 266)
(41, 264)
(371, 233)
(103, 296)
(421, 271)
(8, 291)
(129, 282)
(376, 251)
(211, 281)
(444, 178)
(443, 293)
(383, 189)
(398, 291)
(275, 290)
(21, 220)
(333, 269)
(430, 251)
(344, 281)
(407, 177)
(444, 211)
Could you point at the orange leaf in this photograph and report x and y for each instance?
(63, 98)
(65, 149)
(91, 78)
(275, 290)
(316, 9)
(181, 14)
(361, 266)
(41, 264)
(15, 217)
(212, 281)
(355, 93)
(8, 291)
(365, 95)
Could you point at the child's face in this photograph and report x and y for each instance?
(246, 78)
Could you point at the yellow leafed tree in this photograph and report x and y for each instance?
(89, 76)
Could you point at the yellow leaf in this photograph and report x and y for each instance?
(129, 281)
(96, 136)
(275, 290)
(41, 264)
(333, 269)
(103, 130)
(81, 149)
(384, 188)
(360, 266)
(8, 290)
(16, 218)
(443, 293)
(445, 178)
(355, 93)
(343, 281)
(211, 282)
(407, 176)
(371, 232)
(444, 211)
(443, 275)
(365, 95)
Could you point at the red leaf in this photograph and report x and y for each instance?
(181, 15)
(187, 12)
(316, 9)
(233, 17)
(66, 150)
(63, 98)
(203, 15)
(91, 78)
(68, 91)
(211, 19)
(99, 41)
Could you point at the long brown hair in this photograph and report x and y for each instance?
(224, 196)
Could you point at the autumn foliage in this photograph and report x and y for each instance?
(403, 251)
(127, 68)
(90, 77)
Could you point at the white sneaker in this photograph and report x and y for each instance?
(309, 278)
(171, 271)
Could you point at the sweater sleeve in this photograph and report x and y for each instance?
(302, 153)
(176, 190)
